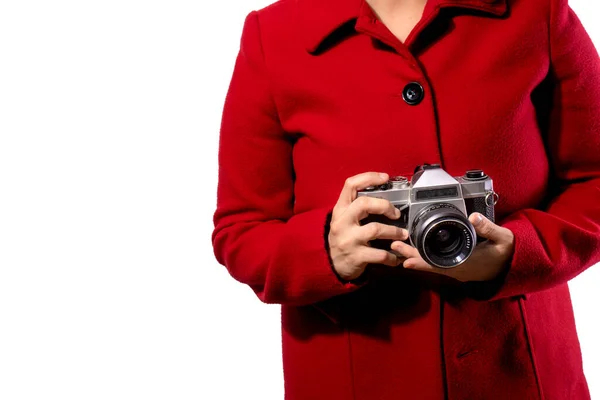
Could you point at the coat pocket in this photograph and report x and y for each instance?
(523, 310)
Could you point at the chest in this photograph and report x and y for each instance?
(348, 112)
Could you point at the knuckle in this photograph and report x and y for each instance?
(334, 228)
(336, 210)
(388, 206)
(363, 201)
(353, 260)
(382, 202)
(344, 243)
(507, 233)
(378, 205)
(374, 230)
(383, 257)
(386, 230)
(499, 251)
(375, 256)
(488, 228)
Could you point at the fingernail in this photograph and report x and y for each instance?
(478, 219)
(397, 212)
(383, 175)
(404, 234)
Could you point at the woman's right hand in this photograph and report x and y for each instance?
(349, 240)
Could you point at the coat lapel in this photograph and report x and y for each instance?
(318, 19)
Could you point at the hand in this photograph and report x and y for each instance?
(486, 262)
(348, 240)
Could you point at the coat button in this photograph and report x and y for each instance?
(413, 93)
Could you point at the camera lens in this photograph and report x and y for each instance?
(445, 240)
(443, 235)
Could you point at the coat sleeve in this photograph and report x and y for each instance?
(257, 236)
(556, 244)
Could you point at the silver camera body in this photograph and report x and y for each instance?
(434, 209)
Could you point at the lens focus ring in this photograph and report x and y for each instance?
(443, 235)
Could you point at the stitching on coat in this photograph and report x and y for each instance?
(444, 373)
(550, 31)
(530, 347)
(264, 56)
(351, 364)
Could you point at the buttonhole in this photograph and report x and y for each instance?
(465, 353)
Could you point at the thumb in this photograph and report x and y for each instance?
(485, 228)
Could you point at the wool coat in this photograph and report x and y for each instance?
(318, 94)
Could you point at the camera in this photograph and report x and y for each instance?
(434, 209)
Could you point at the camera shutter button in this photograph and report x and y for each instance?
(413, 93)
(475, 174)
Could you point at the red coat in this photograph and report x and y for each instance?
(511, 87)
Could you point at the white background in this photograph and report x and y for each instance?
(109, 121)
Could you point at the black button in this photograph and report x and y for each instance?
(413, 93)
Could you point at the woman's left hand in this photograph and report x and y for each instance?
(486, 262)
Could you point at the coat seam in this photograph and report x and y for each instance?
(270, 88)
(549, 16)
(351, 365)
(443, 351)
(530, 347)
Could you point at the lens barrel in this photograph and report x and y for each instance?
(443, 235)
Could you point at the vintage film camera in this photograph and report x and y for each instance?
(434, 209)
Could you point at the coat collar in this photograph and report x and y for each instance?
(321, 18)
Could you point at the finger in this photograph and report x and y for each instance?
(400, 257)
(363, 206)
(377, 256)
(376, 230)
(359, 182)
(406, 250)
(414, 259)
(417, 263)
(487, 229)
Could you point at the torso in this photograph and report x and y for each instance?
(345, 113)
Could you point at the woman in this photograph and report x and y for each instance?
(326, 92)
